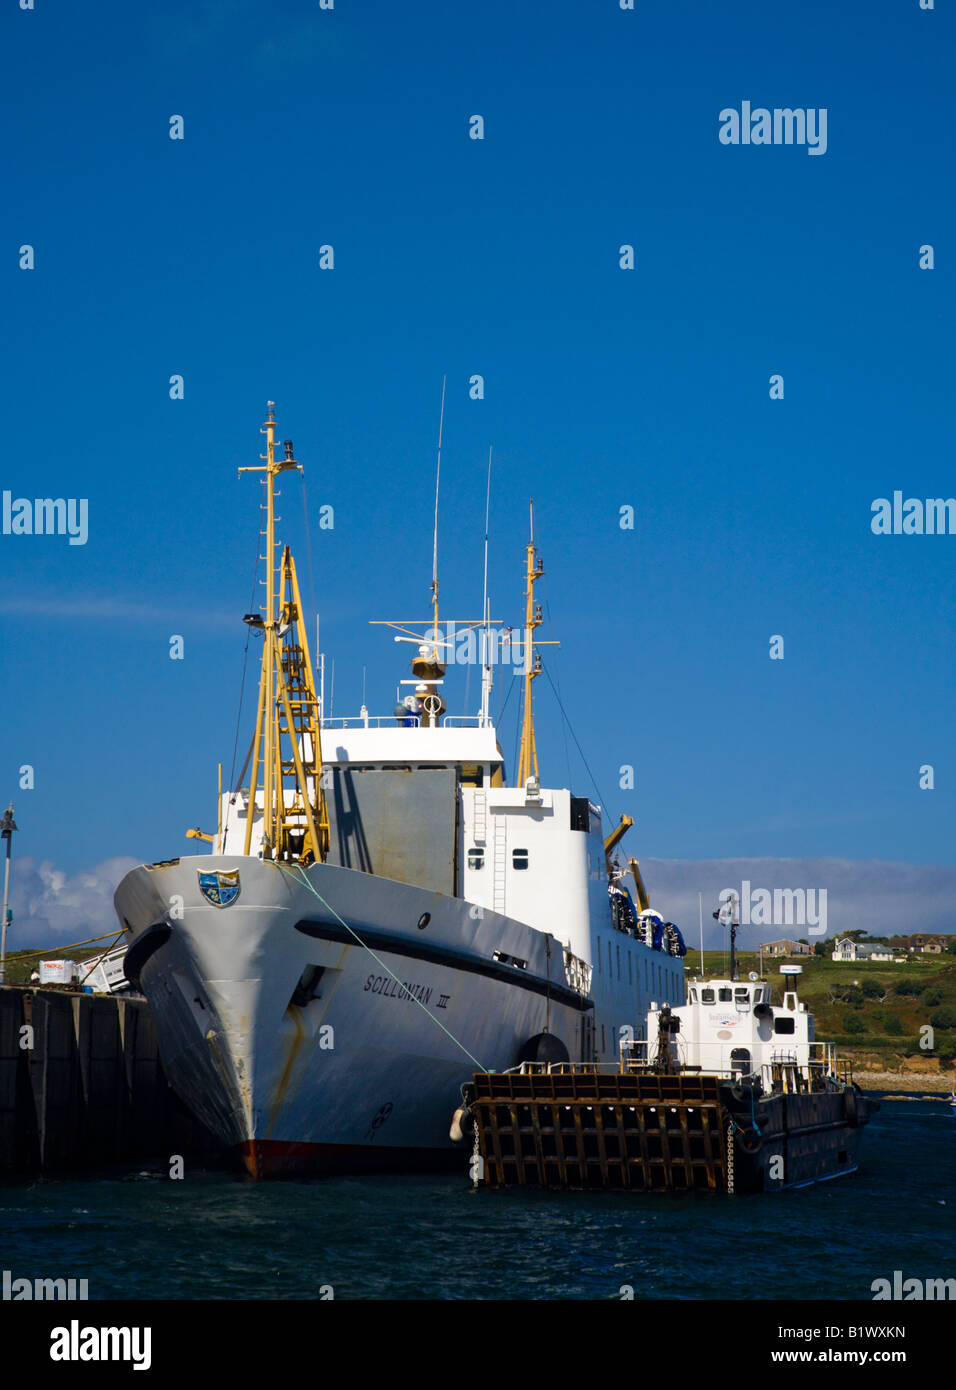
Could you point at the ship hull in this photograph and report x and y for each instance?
(322, 1020)
(805, 1138)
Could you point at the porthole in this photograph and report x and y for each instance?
(424, 920)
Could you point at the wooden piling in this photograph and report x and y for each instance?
(82, 1086)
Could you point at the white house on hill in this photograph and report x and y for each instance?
(846, 949)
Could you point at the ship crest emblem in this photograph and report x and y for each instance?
(220, 889)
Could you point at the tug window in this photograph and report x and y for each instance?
(476, 858)
(724, 995)
(519, 858)
(707, 996)
(784, 1025)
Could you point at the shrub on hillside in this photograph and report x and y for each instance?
(946, 1047)
(893, 1026)
(845, 993)
(944, 1017)
(910, 986)
(931, 998)
(852, 1024)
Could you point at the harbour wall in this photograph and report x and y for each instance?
(82, 1086)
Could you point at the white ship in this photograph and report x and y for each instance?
(381, 910)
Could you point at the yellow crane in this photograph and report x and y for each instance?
(615, 837)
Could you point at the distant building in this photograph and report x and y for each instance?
(847, 949)
(921, 944)
(786, 947)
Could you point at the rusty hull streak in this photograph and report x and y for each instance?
(295, 1046)
(231, 1074)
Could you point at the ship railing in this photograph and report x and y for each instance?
(577, 972)
(392, 721)
(824, 1061)
(565, 1068)
(785, 1071)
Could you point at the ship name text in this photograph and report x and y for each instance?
(390, 988)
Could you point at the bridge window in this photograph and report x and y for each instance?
(724, 995)
(784, 1025)
(476, 858)
(707, 996)
(580, 814)
(519, 858)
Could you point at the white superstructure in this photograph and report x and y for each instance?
(729, 1028)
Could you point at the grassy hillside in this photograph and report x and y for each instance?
(865, 1007)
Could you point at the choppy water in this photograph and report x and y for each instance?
(215, 1235)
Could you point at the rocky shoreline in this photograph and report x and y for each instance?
(920, 1083)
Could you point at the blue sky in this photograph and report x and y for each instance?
(603, 388)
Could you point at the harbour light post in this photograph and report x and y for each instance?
(7, 826)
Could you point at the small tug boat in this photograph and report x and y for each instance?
(727, 1092)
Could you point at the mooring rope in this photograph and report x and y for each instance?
(102, 957)
(312, 889)
(27, 955)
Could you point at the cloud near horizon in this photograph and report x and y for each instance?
(877, 896)
(47, 902)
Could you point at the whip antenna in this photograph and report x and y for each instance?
(441, 422)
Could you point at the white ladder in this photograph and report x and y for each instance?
(500, 863)
(480, 823)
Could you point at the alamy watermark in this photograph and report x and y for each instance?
(46, 516)
(932, 516)
(19, 1290)
(508, 646)
(781, 126)
(778, 907)
(907, 1290)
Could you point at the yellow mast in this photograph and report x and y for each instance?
(296, 829)
(528, 760)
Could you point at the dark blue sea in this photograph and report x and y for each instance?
(137, 1234)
